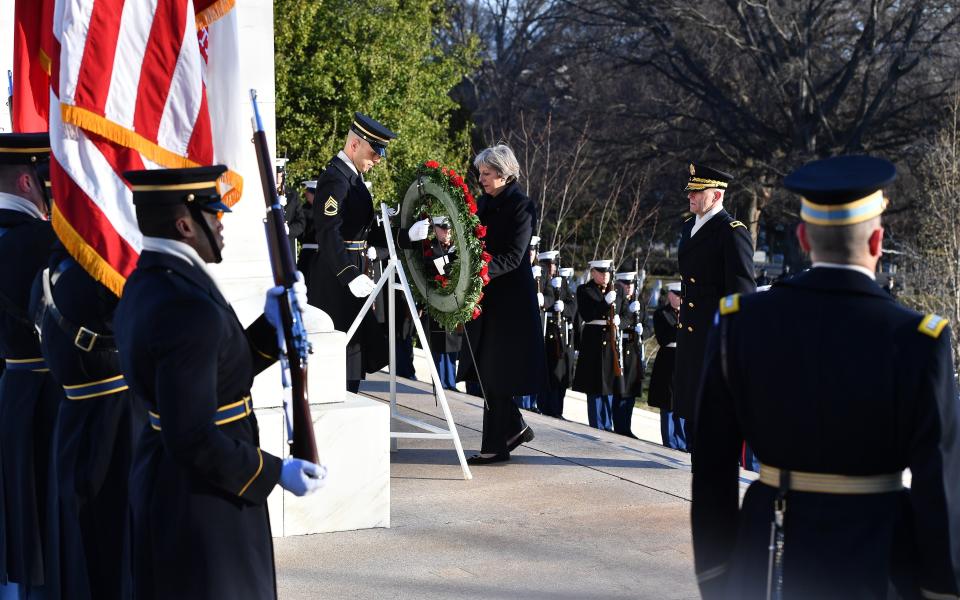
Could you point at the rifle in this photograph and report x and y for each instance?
(296, 347)
(613, 332)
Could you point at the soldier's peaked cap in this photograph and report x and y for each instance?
(842, 190)
(373, 131)
(24, 148)
(703, 177)
(550, 255)
(167, 187)
(626, 275)
(601, 265)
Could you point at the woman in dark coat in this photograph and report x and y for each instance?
(506, 339)
(660, 395)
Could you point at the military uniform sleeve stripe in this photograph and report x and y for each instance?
(932, 325)
(255, 475)
(711, 573)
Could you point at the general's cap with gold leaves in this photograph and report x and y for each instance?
(842, 190)
(702, 178)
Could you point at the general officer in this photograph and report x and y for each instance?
(660, 393)
(599, 349)
(199, 481)
(716, 259)
(97, 427)
(308, 238)
(829, 517)
(29, 397)
(560, 307)
(345, 224)
(631, 348)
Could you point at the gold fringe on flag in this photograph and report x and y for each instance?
(85, 255)
(214, 13)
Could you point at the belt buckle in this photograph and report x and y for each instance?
(83, 332)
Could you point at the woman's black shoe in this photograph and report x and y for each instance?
(523, 437)
(478, 459)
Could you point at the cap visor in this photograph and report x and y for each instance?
(216, 207)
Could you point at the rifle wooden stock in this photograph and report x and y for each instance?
(612, 331)
(303, 445)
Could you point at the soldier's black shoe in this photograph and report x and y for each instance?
(479, 459)
(521, 438)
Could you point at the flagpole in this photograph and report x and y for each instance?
(10, 96)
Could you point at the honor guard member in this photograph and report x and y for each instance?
(293, 214)
(560, 307)
(308, 239)
(660, 393)
(631, 346)
(534, 249)
(97, 427)
(199, 482)
(29, 397)
(444, 345)
(599, 346)
(831, 520)
(716, 259)
(346, 225)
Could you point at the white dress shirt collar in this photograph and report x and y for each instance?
(18, 204)
(700, 221)
(343, 156)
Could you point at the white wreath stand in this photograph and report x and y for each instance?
(430, 432)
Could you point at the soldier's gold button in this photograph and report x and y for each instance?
(679, 325)
(689, 328)
(690, 304)
(692, 280)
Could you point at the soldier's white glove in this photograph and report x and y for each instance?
(556, 282)
(558, 306)
(419, 230)
(616, 320)
(610, 297)
(276, 295)
(361, 286)
(302, 477)
(537, 270)
(371, 253)
(634, 307)
(638, 328)
(540, 299)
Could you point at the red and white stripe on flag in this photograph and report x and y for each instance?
(129, 94)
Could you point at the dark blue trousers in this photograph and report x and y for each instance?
(600, 411)
(672, 430)
(446, 363)
(623, 415)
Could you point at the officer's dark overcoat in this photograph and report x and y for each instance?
(29, 400)
(198, 489)
(507, 338)
(715, 262)
(345, 224)
(594, 373)
(97, 428)
(827, 374)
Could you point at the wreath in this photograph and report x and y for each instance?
(451, 298)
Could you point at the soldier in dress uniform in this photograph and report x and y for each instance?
(199, 481)
(29, 397)
(444, 345)
(716, 259)
(293, 212)
(97, 427)
(308, 239)
(598, 351)
(660, 393)
(631, 332)
(346, 225)
(560, 307)
(832, 519)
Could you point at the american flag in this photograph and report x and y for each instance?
(128, 92)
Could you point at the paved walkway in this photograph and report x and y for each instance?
(577, 514)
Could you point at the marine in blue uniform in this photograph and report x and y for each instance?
(199, 481)
(598, 351)
(97, 427)
(790, 370)
(715, 257)
(346, 225)
(631, 348)
(29, 397)
(560, 308)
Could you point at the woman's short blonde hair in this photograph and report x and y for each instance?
(501, 159)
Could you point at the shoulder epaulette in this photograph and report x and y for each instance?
(932, 325)
(729, 304)
(736, 224)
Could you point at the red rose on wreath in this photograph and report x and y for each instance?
(457, 181)
(481, 231)
(443, 281)
(476, 311)
(486, 257)
(452, 173)
(485, 278)
(480, 297)
(432, 164)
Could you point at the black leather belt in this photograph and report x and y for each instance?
(83, 338)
